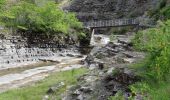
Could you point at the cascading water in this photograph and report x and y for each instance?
(92, 41)
(99, 39)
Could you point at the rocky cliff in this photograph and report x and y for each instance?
(110, 9)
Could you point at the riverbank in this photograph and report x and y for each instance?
(38, 90)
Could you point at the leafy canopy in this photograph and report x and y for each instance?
(39, 17)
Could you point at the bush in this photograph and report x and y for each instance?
(166, 12)
(2, 3)
(43, 17)
(156, 42)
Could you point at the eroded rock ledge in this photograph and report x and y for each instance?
(109, 72)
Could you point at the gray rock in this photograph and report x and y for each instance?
(55, 87)
(86, 89)
(70, 55)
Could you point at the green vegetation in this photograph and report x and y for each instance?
(161, 11)
(2, 3)
(38, 91)
(43, 17)
(155, 69)
(166, 12)
(156, 42)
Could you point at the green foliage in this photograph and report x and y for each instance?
(151, 91)
(118, 96)
(157, 12)
(162, 4)
(39, 17)
(140, 88)
(2, 3)
(160, 92)
(165, 12)
(156, 42)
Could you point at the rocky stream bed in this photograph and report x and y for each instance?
(108, 71)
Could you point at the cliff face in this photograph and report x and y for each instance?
(110, 9)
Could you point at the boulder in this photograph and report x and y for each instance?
(89, 59)
(70, 55)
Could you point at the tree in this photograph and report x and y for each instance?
(45, 18)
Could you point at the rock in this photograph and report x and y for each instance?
(62, 55)
(128, 72)
(101, 66)
(70, 55)
(92, 66)
(79, 56)
(80, 97)
(76, 92)
(127, 54)
(86, 89)
(91, 79)
(89, 59)
(128, 60)
(110, 70)
(113, 50)
(46, 97)
(124, 41)
(55, 87)
(101, 55)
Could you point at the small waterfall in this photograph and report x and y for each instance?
(99, 39)
(92, 41)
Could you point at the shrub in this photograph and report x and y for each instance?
(156, 42)
(44, 17)
(165, 12)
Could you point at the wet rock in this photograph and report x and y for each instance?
(62, 55)
(125, 41)
(111, 45)
(86, 89)
(89, 59)
(79, 56)
(70, 55)
(128, 55)
(101, 65)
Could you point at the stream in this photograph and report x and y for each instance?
(13, 77)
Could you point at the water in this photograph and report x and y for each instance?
(99, 39)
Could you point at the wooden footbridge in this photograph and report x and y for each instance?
(141, 22)
(145, 22)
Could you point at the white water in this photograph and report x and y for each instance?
(99, 39)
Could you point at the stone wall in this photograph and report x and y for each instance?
(15, 50)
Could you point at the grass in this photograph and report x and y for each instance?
(161, 92)
(39, 89)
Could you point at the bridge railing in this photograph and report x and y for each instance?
(118, 22)
(107, 23)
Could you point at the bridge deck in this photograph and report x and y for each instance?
(116, 23)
